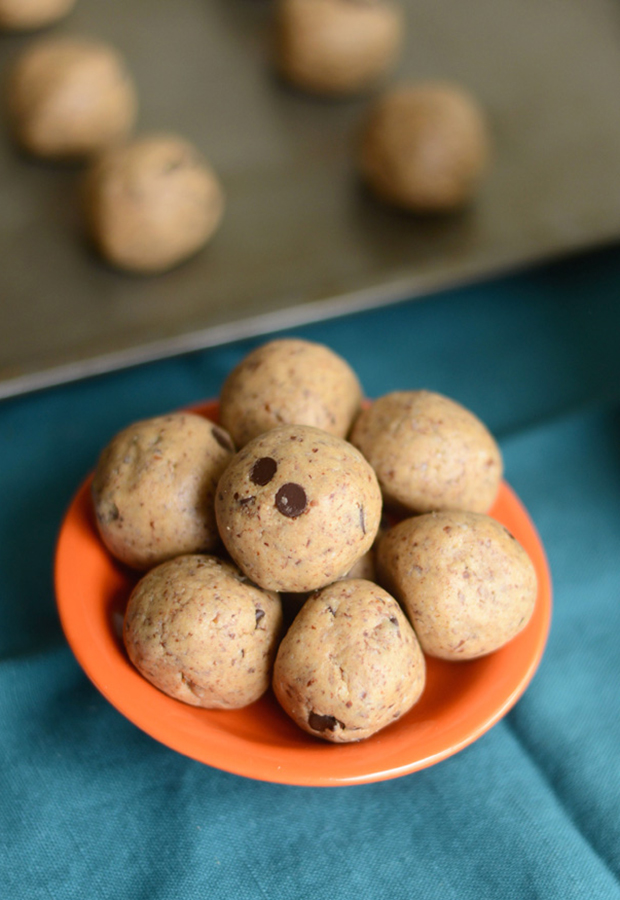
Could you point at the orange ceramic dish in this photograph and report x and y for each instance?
(461, 701)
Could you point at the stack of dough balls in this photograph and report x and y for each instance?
(279, 508)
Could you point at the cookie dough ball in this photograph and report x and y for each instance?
(297, 507)
(154, 488)
(199, 632)
(70, 98)
(465, 582)
(152, 203)
(350, 663)
(23, 15)
(429, 453)
(425, 148)
(337, 47)
(289, 382)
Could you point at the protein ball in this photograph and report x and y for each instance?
(425, 148)
(289, 382)
(429, 453)
(24, 15)
(336, 47)
(152, 204)
(154, 488)
(297, 507)
(70, 97)
(197, 631)
(465, 582)
(350, 663)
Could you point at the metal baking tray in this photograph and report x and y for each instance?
(301, 239)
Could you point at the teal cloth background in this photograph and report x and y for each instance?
(92, 808)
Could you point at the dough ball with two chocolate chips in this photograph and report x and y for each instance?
(24, 15)
(154, 488)
(70, 98)
(152, 203)
(200, 633)
(297, 507)
(336, 47)
(350, 663)
(425, 147)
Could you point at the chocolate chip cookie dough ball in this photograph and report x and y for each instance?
(70, 98)
(350, 663)
(336, 47)
(154, 488)
(23, 15)
(425, 148)
(429, 453)
(201, 634)
(297, 507)
(289, 382)
(152, 204)
(465, 582)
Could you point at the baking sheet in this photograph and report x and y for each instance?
(301, 240)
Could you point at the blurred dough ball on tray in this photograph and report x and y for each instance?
(152, 203)
(70, 97)
(425, 147)
(336, 47)
(24, 15)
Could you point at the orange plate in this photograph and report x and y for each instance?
(461, 701)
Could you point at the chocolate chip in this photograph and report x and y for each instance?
(243, 501)
(260, 614)
(114, 513)
(323, 723)
(393, 620)
(263, 470)
(291, 500)
(223, 439)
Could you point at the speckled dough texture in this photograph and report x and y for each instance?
(297, 508)
(429, 453)
(289, 382)
(425, 147)
(152, 204)
(465, 582)
(336, 46)
(350, 663)
(154, 488)
(70, 97)
(23, 15)
(197, 631)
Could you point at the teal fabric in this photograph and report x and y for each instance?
(90, 807)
